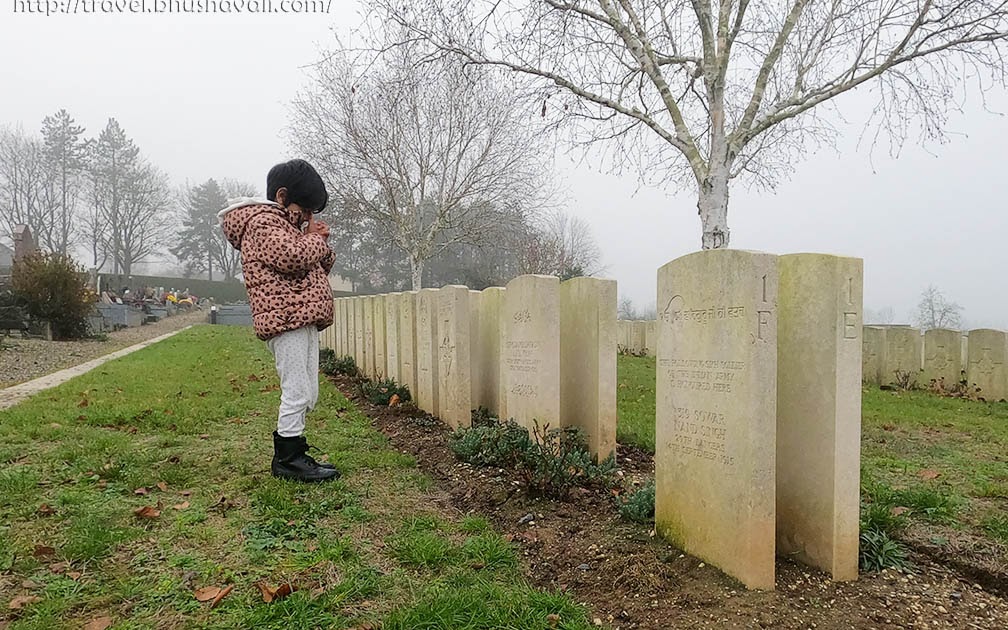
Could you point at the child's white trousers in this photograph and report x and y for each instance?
(297, 362)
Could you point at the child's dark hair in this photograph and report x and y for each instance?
(303, 183)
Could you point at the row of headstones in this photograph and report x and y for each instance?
(757, 449)
(637, 336)
(937, 354)
(538, 351)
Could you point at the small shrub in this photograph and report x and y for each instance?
(380, 392)
(960, 389)
(496, 444)
(551, 462)
(878, 551)
(639, 506)
(51, 288)
(558, 460)
(881, 517)
(327, 360)
(346, 366)
(904, 380)
(331, 365)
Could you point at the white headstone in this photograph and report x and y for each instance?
(530, 350)
(715, 441)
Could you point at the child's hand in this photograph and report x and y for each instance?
(317, 227)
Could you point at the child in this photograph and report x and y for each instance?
(286, 262)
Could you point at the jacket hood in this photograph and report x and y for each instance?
(235, 217)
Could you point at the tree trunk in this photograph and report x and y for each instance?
(713, 207)
(416, 269)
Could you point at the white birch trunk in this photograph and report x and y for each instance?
(416, 270)
(713, 198)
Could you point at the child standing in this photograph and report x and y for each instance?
(286, 261)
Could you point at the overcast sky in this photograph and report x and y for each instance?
(205, 96)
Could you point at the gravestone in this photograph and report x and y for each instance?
(717, 410)
(988, 350)
(588, 361)
(391, 304)
(819, 411)
(346, 349)
(453, 351)
(530, 350)
(476, 358)
(408, 340)
(942, 356)
(380, 370)
(638, 332)
(359, 333)
(904, 351)
(426, 350)
(623, 328)
(873, 348)
(650, 338)
(369, 335)
(489, 352)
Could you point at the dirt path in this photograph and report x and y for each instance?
(630, 579)
(26, 359)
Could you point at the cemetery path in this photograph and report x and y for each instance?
(26, 359)
(631, 580)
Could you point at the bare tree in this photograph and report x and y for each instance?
(144, 224)
(23, 182)
(935, 311)
(701, 92)
(558, 244)
(433, 155)
(65, 153)
(112, 160)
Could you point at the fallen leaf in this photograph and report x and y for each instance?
(83, 403)
(147, 512)
(81, 418)
(30, 584)
(140, 492)
(553, 619)
(222, 595)
(99, 623)
(59, 568)
(73, 575)
(43, 551)
(270, 594)
(168, 412)
(207, 593)
(897, 511)
(929, 473)
(204, 436)
(181, 506)
(394, 400)
(45, 510)
(21, 601)
(253, 378)
(162, 486)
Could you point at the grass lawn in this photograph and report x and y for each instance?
(183, 429)
(944, 460)
(635, 401)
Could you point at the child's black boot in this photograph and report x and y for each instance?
(291, 461)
